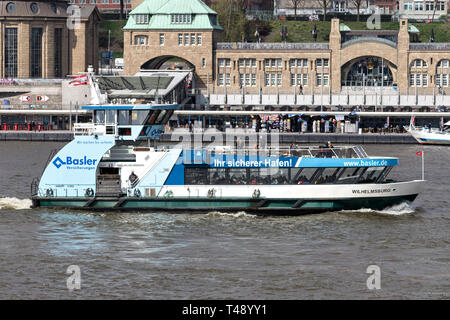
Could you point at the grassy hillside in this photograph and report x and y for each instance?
(300, 31)
(116, 39)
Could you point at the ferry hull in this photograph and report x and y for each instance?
(289, 206)
(431, 138)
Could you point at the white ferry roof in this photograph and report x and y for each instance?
(132, 107)
(142, 84)
(447, 123)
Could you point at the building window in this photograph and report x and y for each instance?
(443, 63)
(429, 5)
(161, 39)
(322, 80)
(141, 40)
(273, 63)
(299, 79)
(297, 63)
(418, 6)
(424, 80)
(192, 39)
(36, 53)
(203, 63)
(247, 63)
(199, 39)
(10, 7)
(273, 79)
(10, 52)
(408, 6)
(180, 18)
(180, 39)
(105, 1)
(93, 1)
(418, 79)
(141, 18)
(224, 62)
(247, 79)
(186, 39)
(58, 53)
(220, 79)
(320, 64)
(418, 63)
(82, 1)
(227, 79)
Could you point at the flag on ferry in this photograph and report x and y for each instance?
(419, 153)
(79, 81)
(412, 121)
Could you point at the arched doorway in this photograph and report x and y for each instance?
(168, 63)
(368, 72)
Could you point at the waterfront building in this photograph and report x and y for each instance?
(36, 41)
(314, 7)
(423, 10)
(158, 31)
(105, 6)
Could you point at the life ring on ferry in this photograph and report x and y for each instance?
(168, 194)
(137, 193)
(211, 193)
(49, 193)
(256, 194)
(89, 192)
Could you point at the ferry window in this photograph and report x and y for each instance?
(167, 116)
(138, 116)
(279, 176)
(151, 119)
(195, 176)
(306, 176)
(238, 176)
(295, 175)
(328, 175)
(160, 116)
(99, 116)
(371, 175)
(218, 176)
(350, 175)
(124, 117)
(259, 175)
(124, 131)
(110, 116)
(385, 173)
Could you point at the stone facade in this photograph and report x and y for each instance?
(307, 67)
(78, 47)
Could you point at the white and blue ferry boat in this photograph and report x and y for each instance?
(110, 164)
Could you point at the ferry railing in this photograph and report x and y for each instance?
(335, 152)
(89, 129)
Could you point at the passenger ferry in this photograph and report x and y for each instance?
(113, 163)
(425, 135)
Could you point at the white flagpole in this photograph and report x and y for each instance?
(423, 167)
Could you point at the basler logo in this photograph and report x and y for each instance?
(70, 161)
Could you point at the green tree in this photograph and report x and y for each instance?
(231, 15)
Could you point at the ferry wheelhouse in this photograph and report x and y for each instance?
(113, 163)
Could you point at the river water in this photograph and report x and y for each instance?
(159, 255)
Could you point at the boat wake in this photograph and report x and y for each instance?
(14, 204)
(239, 214)
(396, 210)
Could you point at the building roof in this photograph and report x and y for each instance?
(160, 12)
(41, 9)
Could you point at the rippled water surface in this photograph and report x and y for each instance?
(160, 255)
